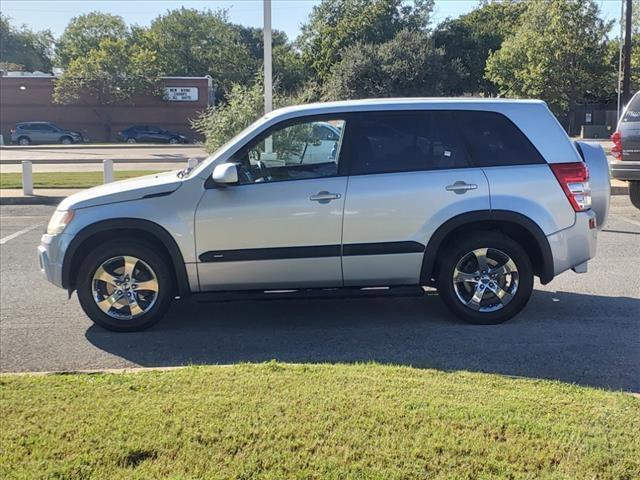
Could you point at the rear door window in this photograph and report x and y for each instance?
(388, 142)
(494, 140)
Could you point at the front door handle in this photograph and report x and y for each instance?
(461, 187)
(324, 197)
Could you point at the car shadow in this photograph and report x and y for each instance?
(558, 336)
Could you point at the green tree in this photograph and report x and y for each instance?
(109, 75)
(469, 40)
(23, 49)
(558, 54)
(197, 43)
(335, 25)
(85, 32)
(242, 106)
(289, 70)
(407, 65)
(613, 58)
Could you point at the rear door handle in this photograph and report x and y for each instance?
(461, 187)
(324, 197)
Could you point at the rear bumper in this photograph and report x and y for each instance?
(624, 169)
(575, 245)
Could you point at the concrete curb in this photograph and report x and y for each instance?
(31, 200)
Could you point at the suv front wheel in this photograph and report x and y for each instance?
(485, 279)
(125, 285)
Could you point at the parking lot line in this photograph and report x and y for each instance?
(18, 233)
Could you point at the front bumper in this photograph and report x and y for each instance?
(51, 255)
(575, 245)
(625, 169)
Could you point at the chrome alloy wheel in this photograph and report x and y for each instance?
(485, 279)
(124, 287)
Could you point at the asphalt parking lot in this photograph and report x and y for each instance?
(580, 328)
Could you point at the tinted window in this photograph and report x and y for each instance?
(291, 152)
(41, 127)
(632, 112)
(493, 140)
(399, 142)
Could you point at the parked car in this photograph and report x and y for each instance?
(26, 133)
(472, 196)
(150, 134)
(626, 149)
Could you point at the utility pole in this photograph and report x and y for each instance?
(626, 75)
(620, 48)
(268, 87)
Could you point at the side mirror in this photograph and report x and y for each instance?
(225, 174)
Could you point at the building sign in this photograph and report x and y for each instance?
(181, 94)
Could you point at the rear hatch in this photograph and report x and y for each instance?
(629, 132)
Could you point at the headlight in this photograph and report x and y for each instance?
(59, 221)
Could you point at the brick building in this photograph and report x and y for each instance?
(30, 98)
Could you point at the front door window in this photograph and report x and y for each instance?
(295, 152)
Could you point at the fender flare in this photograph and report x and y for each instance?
(546, 270)
(162, 235)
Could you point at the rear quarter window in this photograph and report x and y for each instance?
(494, 140)
(632, 112)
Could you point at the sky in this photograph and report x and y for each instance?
(287, 15)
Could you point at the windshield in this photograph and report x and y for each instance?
(215, 158)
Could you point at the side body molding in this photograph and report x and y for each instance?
(131, 224)
(489, 219)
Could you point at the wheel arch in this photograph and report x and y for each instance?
(105, 230)
(515, 225)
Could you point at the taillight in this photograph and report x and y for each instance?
(616, 149)
(13, 130)
(574, 180)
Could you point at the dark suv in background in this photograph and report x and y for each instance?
(150, 134)
(626, 149)
(27, 133)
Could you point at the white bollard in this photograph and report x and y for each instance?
(27, 178)
(192, 163)
(108, 171)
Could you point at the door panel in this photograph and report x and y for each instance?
(396, 211)
(249, 236)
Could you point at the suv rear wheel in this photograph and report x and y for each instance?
(486, 279)
(24, 141)
(125, 285)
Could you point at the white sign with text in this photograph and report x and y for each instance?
(181, 94)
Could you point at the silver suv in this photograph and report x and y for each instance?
(27, 133)
(474, 197)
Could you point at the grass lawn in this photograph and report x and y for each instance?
(313, 421)
(67, 179)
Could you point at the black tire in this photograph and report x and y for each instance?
(24, 141)
(129, 247)
(491, 240)
(66, 140)
(634, 193)
(131, 140)
(174, 141)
